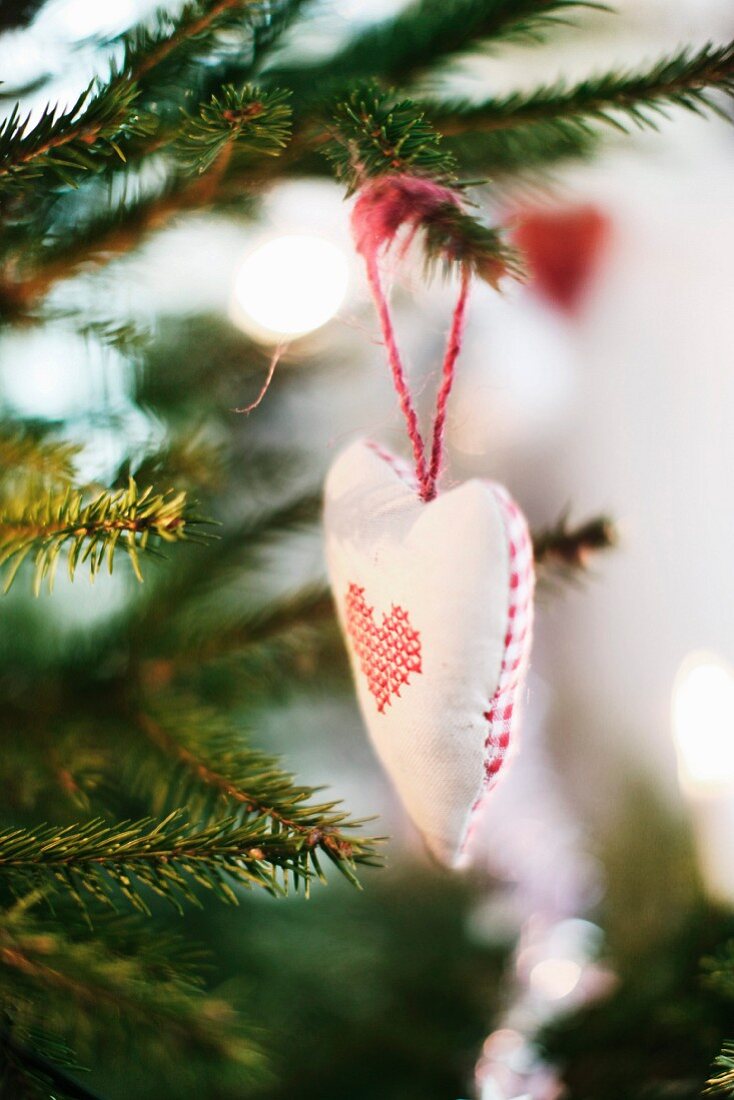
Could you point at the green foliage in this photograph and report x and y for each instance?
(372, 135)
(722, 1083)
(147, 989)
(246, 120)
(515, 155)
(655, 1034)
(687, 79)
(409, 992)
(426, 35)
(204, 42)
(169, 857)
(565, 550)
(162, 53)
(34, 1066)
(91, 531)
(29, 466)
(64, 144)
(215, 772)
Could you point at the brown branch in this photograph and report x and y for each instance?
(561, 545)
(189, 30)
(87, 134)
(330, 837)
(20, 295)
(14, 530)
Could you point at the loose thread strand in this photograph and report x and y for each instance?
(266, 384)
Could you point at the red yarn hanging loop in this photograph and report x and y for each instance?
(382, 208)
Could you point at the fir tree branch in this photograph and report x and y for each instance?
(215, 766)
(64, 143)
(521, 152)
(26, 1069)
(241, 547)
(285, 620)
(192, 29)
(271, 653)
(232, 40)
(722, 1083)
(24, 459)
(120, 973)
(116, 231)
(372, 136)
(246, 120)
(686, 79)
(171, 858)
(131, 520)
(192, 461)
(426, 34)
(571, 547)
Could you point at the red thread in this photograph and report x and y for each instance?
(387, 654)
(517, 638)
(266, 384)
(502, 714)
(453, 347)
(398, 374)
(383, 206)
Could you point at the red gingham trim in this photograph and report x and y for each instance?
(502, 714)
(398, 466)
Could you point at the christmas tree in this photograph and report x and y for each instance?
(140, 786)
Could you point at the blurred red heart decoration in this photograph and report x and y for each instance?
(562, 247)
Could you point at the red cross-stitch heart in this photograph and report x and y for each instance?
(387, 654)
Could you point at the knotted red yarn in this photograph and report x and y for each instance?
(384, 206)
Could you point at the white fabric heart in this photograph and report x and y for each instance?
(435, 602)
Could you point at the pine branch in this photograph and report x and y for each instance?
(242, 547)
(190, 32)
(571, 547)
(126, 337)
(190, 460)
(130, 520)
(66, 143)
(686, 79)
(215, 768)
(245, 120)
(427, 34)
(371, 136)
(524, 152)
(165, 59)
(120, 974)
(50, 764)
(266, 636)
(115, 231)
(30, 464)
(722, 1083)
(267, 30)
(34, 1067)
(453, 236)
(170, 858)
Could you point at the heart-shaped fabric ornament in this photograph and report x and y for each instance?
(435, 602)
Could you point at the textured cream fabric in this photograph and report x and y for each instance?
(445, 567)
